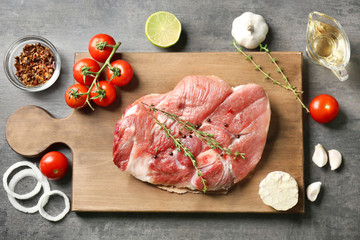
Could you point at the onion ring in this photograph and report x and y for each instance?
(20, 175)
(43, 201)
(37, 175)
(16, 178)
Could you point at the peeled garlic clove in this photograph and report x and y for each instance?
(335, 159)
(312, 191)
(320, 157)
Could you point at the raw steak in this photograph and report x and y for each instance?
(237, 117)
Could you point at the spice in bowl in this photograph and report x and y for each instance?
(32, 63)
(35, 65)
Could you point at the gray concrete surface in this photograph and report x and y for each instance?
(206, 27)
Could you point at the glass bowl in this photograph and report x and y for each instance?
(16, 48)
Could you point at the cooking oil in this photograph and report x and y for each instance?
(328, 43)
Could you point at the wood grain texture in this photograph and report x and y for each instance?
(98, 185)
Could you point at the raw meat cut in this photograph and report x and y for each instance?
(237, 117)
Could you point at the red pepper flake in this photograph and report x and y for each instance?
(35, 65)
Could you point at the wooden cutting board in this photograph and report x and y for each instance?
(98, 185)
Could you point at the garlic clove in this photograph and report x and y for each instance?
(335, 159)
(312, 191)
(320, 157)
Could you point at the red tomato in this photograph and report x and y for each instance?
(324, 108)
(120, 74)
(54, 165)
(97, 49)
(80, 68)
(74, 97)
(103, 93)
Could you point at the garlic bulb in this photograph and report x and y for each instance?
(320, 157)
(312, 191)
(249, 30)
(335, 159)
(279, 190)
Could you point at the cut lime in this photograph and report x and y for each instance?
(163, 29)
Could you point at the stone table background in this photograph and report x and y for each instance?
(206, 27)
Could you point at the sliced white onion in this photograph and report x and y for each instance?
(16, 178)
(32, 171)
(43, 201)
(22, 174)
(37, 175)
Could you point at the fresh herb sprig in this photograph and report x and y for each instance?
(279, 70)
(205, 136)
(179, 146)
(273, 60)
(287, 85)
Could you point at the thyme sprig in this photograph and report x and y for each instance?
(273, 60)
(179, 145)
(287, 85)
(205, 136)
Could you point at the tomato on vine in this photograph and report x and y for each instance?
(120, 73)
(324, 108)
(75, 96)
(98, 49)
(87, 72)
(103, 93)
(84, 71)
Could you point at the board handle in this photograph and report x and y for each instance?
(31, 130)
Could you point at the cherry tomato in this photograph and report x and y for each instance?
(324, 108)
(120, 74)
(74, 97)
(54, 165)
(103, 93)
(83, 65)
(101, 55)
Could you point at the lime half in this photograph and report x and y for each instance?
(163, 29)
